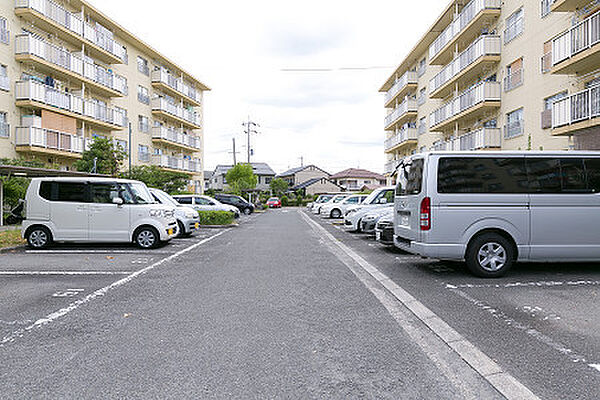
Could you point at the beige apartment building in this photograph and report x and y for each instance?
(499, 74)
(68, 74)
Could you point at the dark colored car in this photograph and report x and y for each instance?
(236, 201)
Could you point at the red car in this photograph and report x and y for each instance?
(274, 202)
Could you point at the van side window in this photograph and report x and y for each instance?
(592, 168)
(71, 192)
(544, 175)
(104, 192)
(482, 175)
(573, 175)
(561, 175)
(46, 190)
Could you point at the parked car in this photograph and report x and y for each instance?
(337, 210)
(187, 218)
(326, 207)
(94, 210)
(492, 209)
(274, 202)
(378, 198)
(369, 222)
(384, 230)
(237, 201)
(205, 203)
(322, 199)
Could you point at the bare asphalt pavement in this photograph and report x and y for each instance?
(275, 308)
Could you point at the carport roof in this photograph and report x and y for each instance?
(30, 172)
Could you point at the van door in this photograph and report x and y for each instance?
(69, 211)
(109, 222)
(408, 194)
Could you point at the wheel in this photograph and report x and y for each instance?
(180, 229)
(335, 213)
(247, 211)
(39, 238)
(490, 255)
(147, 238)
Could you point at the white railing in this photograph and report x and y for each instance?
(164, 105)
(484, 138)
(484, 46)
(577, 107)
(513, 80)
(175, 136)
(178, 163)
(407, 78)
(468, 14)
(49, 139)
(29, 44)
(407, 105)
(39, 92)
(483, 91)
(176, 84)
(404, 135)
(75, 24)
(576, 39)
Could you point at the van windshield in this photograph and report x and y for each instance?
(410, 177)
(141, 194)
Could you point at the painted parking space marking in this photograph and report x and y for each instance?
(68, 293)
(42, 273)
(92, 251)
(523, 284)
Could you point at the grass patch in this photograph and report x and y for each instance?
(11, 238)
(216, 217)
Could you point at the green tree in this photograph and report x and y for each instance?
(153, 176)
(15, 187)
(109, 157)
(241, 178)
(278, 186)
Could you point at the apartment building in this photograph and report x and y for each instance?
(498, 74)
(69, 74)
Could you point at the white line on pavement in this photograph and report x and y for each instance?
(17, 273)
(524, 284)
(100, 292)
(91, 251)
(488, 369)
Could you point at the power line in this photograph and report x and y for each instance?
(250, 128)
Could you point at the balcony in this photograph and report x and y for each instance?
(161, 79)
(472, 103)
(50, 16)
(481, 55)
(406, 83)
(57, 61)
(567, 5)
(176, 164)
(173, 137)
(405, 137)
(481, 139)
(404, 112)
(474, 17)
(45, 141)
(162, 107)
(577, 50)
(576, 112)
(35, 94)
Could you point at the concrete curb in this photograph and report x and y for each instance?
(219, 226)
(9, 249)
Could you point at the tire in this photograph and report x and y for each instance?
(247, 211)
(180, 229)
(146, 237)
(358, 226)
(39, 237)
(335, 213)
(490, 255)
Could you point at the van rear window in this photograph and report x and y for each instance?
(410, 178)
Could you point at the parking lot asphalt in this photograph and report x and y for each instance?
(540, 322)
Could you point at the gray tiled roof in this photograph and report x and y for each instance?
(258, 168)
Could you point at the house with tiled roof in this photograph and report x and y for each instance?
(317, 186)
(263, 172)
(296, 176)
(356, 178)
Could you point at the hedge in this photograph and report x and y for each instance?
(216, 217)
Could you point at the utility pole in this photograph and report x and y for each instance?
(301, 161)
(250, 128)
(234, 153)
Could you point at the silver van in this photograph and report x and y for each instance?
(491, 209)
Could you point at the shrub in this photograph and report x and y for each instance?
(298, 201)
(285, 201)
(215, 217)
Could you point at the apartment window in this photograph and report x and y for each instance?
(549, 100)
(4, 82)
(545, 4)
(143, 95)
(422, 67)
(514, 26)
(547, 57)
(422, 126)
(143, 153)
(143, 124)
(4, 128)
(593, 83)
(422, 96)
(4, 32)
(491, 123)
(142, 65)
(514, 124)
(514, 75)
(121, 143)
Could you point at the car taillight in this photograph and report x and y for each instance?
(425, 215)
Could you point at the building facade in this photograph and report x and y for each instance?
(356, 178)
(69, 74)
(499, 74)
(264, 176)
(299, 175)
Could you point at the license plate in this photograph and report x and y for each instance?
(404, 220)
(197, 225)
(170, 231)
(378, 236)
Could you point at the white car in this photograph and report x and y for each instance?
(378, 198)
(322, 199)
(326, 208)
(94, 210)
(188, 219)
(205, 203)
(370, 220)
(338, 210)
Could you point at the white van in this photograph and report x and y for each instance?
(491, 209)
(94, 210)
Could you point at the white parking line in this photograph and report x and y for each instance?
(523, 284)
(38, 273)
(91, 251)
(99, 293)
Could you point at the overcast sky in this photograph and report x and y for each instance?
(244, 50)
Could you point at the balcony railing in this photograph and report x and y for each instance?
(577, 107)
(402, 136)
(484, 138)
(49, 139)
(175, 83)
(407, 78)
(39, 92)
(576, 39)
(468, 14)
(161, 104)
(178, 163)
(513, 80)
(483, 91)
(175, 136)
(73, 23)
(484, 46)
(407, 105)
(29, 44)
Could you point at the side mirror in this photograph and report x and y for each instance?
(383, 201)
(118, 201)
